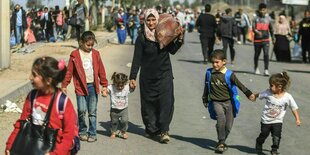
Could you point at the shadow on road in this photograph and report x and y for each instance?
(299, 71)
(248, 72)
(192, 61)
(193, 42)
(244, 149)
(132, 128)
(204, 143)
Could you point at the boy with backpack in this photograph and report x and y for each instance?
(221, 98)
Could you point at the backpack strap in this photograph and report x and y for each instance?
(228, 77)
(32, 97)
(61, 104)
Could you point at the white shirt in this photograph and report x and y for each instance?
(119, 98)
(87, 62)
(275, 108)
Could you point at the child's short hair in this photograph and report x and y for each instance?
(262, 6)
(119, 78)
(88, 35)
(280, 79)
(228, 10)
(49, 67)
(218, 54)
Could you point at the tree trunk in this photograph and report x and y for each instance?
(70, 7)
(94, 14)
(86, 2)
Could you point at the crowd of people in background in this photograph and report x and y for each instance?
(51, 25)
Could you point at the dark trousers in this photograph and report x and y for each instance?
(243, 31)
(48, 33)
(78, 30)
(229, 42)
(157, 104)
(207, 44)
(305, 49)
(258, 47)
(225, 119)
(275, 130)
(119, 119)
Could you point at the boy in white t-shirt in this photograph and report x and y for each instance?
(277, 101)
(118, 92)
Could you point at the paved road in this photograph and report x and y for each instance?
(192, 131)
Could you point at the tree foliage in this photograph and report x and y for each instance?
(196, 3)
(34, 4)
(186, 4)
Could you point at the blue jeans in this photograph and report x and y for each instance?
(88, 103)
(134, 35)
(19, 34)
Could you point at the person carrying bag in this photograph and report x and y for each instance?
(48, 123)
(35, 139)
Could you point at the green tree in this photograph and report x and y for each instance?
(34, 4)
(186, 4)
(197, 3)
(12, 5)
(176, 3)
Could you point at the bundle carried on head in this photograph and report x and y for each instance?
(167, 29)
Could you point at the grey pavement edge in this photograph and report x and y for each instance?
(24, 87)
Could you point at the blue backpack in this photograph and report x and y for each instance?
(235, 98)
(60, 103)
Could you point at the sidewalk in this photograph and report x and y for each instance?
(14, 80)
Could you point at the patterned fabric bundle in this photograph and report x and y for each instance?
(167, 29)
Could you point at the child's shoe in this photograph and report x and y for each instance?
(220, 148)
(266, 73)
(274, 152)
(256, 71)
(164, 137)
(83, 137)
(91, 139)
(124, 135)
(113, 135)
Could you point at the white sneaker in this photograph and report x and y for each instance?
(257, 71)
(266, 72)
(239, 42)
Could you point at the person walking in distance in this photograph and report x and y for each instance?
(304, 34)
(206, 25)
(262, 27)
(227, 31)
(19, 24)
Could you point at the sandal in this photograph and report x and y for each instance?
(124, 135)
(113, 135)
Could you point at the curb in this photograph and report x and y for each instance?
(26, 87)
(22, 90)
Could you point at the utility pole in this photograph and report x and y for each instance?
(5, 53)
(86, 2)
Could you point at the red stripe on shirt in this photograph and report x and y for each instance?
(262, 26)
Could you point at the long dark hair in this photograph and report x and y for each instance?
(49, 67)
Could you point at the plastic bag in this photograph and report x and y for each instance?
(167, 29)
(250, 35)
(12, 39)
(297, 51)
